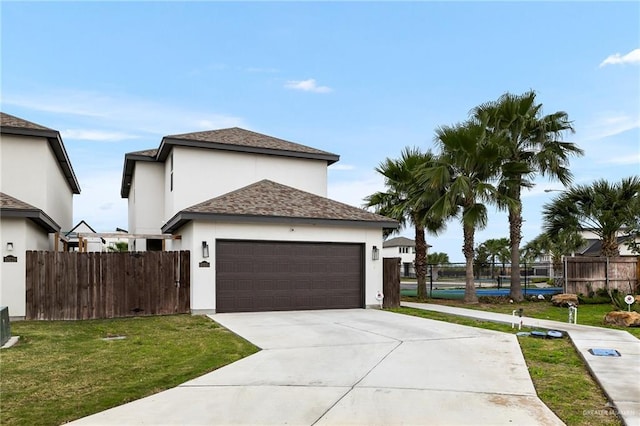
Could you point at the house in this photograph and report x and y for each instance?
(93, 244)
(37, 184)
(593, 244)
(405, 249)
(253, 211)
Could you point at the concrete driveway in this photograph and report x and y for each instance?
(351, 367)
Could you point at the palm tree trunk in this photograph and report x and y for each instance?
(610, 246)
(421, 262)
(467, 249)
(515, 235)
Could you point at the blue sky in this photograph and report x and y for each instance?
(360, 79)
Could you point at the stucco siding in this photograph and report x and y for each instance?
(31, 173)
(146, 200)
(203, 279)
(23, 172)
(201, 174)
(59, 204)
(24, 235)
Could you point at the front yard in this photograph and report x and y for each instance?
(63, 370)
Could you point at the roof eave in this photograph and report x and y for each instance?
(36, 215)
(181, 218)
(167, 142)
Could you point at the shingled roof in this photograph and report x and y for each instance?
(11, 125)
(270, 201)
(13, 207)
(236, 136)
(232, 139)
(8, 120)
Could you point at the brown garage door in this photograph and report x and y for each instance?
(281, 276)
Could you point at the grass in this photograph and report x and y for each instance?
(592, 314)
(560, 377)
(63, 370)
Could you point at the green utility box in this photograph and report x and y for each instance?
(5, 326)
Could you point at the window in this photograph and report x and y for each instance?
(404, 249)
(171, 174)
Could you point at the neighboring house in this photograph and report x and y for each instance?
(92, 244)
(253, 211)
(593, 245)
(37, 184)
(405, 249)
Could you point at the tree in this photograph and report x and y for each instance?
(562, 244)
(405, 203)
(496, 248)
(530, 144)
(461, 174)
(119, 246)
(435, 260)
(603, 208)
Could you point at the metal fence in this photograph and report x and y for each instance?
(448, 280)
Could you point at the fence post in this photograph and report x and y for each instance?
(430, 280)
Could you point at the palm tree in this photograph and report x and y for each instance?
(562, 244)
(497, 248)
(531, 144)
(465, 166)
(405, 203)
(435, 260)
(603, 208)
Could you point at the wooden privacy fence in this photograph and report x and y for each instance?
(72, 285)
(391, 282)
(585, 274)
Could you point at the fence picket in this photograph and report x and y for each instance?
(73, 285)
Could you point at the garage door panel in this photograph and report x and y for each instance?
(264, 276)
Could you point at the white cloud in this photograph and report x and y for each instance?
(133, 115)
(610, 124)
(633, 158)
(336, 166)
(95, 135)
(354, 191)
(309, 85)
(632, 57)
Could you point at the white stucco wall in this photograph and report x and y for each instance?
(30, 172)
(24, 235)
(203, 293)
(202, 174)
(146, 199)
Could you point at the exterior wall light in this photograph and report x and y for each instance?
(9, 246)
(375, 253)
(205, 249)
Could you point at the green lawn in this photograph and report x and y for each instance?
(560, 377)
(63, 370)
(588, 314)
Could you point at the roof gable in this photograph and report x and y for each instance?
(12, 125)
(268, 200)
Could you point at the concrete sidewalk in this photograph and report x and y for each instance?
(351, 367)
(619, 377)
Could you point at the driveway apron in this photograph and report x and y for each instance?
(351, 367)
